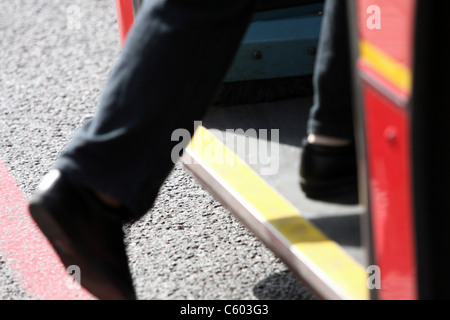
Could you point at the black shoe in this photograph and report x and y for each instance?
(328, 171)
(85, 233)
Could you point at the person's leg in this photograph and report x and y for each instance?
(172, 64)
(328, 161)
(331, 114)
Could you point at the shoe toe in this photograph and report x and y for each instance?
(86, 233)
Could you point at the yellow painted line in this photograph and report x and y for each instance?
(392, 70)
(328, 260)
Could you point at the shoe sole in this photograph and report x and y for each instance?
(92, 277)
(321, 189)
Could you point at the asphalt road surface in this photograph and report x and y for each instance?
(54, 58)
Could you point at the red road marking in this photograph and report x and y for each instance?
(27, 251)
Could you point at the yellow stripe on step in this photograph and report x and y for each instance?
(322, 255)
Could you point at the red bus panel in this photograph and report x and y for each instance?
(125, 17)
(385, 68)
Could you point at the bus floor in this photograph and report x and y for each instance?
(267, 138)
